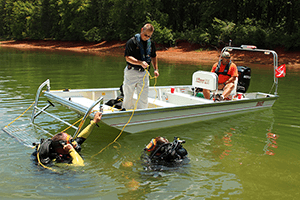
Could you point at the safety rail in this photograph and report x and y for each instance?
(88, 112)
(254, 48)
(38, 94)
(37, 111)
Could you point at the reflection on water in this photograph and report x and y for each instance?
(241, 157)
(271, 143)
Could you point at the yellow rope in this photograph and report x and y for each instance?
(80, 125)
(135, 107)
(71, 125)
(20, 115)
(153, 77)
(38, 154)
(38, 158)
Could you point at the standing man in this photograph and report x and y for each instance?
(227, 73)
(140, 51)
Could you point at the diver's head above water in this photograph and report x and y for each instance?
(63, 142)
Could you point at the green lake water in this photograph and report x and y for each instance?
(230, 158)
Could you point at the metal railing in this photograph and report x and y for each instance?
(265, 51)
(37, 111)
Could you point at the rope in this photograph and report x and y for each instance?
(135, 107)
(71, 125)
(29, 108)
(81, 124)
(39, 161)
(38, 154)
(20, 115)
(119, 135)
(153, 77)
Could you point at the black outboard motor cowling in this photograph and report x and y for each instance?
(243, 79)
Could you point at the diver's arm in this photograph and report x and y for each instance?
(84, 134)
(76, 158)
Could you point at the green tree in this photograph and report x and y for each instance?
(20, 15)
(209, 22)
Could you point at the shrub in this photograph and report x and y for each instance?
(161, 35)
(221, 31)
(92, 35)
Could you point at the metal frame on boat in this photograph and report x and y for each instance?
(168, 105)
(86, 112)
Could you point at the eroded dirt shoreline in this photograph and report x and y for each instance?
(183, 52)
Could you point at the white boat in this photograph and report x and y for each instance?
(168, 105)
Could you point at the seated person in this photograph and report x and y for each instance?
(227, 73)
(163, 152)
(62, 148)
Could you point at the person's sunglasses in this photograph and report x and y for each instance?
(148, 36)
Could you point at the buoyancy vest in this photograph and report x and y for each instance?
(169, 152)
(46, 151)
(145, 56)
(225, 72)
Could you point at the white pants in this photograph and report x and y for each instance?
(134, 79)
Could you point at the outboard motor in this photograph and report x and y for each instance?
(243, 79)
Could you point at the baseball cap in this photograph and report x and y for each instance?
(226, 54)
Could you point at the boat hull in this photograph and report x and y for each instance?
(163, 118)
(134, 121)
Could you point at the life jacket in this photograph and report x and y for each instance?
(225, 72)
(145, 56)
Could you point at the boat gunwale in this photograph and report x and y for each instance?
(80, 108)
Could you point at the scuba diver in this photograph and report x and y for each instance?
(63, 148)
(164, 153)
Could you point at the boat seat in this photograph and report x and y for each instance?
(205, 80)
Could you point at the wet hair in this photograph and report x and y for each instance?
(59, 136)
(59, 140)
(161, 140)
(148, 27)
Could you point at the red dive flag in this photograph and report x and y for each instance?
(280, 71)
